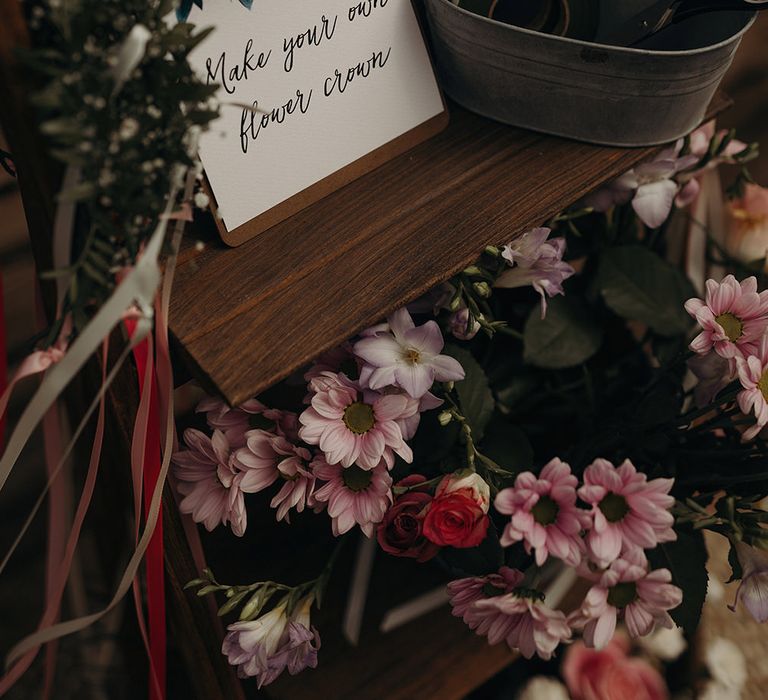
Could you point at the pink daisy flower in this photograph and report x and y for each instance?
(236, 422)
(209, 483)
(338, 359)
(627, 510)
(233, 422)
(714, 374)
(495, 606)
(536, 261)
(354, 496)
(733, 317)
(465, 592)
(265, 458)
(410, 419)
(297, 491)
(753, 375)
(544, 514)
(523, 621)
(351, 426)
(627, 590)
(407, 357)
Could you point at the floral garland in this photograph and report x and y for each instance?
(121, 104)
(430, 447)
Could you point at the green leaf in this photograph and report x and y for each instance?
(567, 337)
(638, 285)
(507, 445)
(686, 558)
(205, 590)
(232, 603)
(475, 395)
(256, 602)
(737, 572)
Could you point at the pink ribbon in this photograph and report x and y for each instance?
(59, 580)
(34, 363)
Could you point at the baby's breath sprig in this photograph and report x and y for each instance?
(124, 133)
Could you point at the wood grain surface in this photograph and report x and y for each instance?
(246, 318)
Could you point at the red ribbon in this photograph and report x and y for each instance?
(3, 360)
(154, 556)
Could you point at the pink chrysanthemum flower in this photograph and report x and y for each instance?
(233, 422)
(236, 422)
(495, 606)
(753, 375)
(714, 374)
(523, 621)
(536, 261)
(265, 458)
(544, 514)
(627, 510)
(465, 592)
(338, 359)
(410, 419)
(351, 426)
(628, 590)
(209, 483)
(407, 357)
(297, 491)
(733, 317)
(354, 496)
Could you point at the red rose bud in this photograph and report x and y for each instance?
(400, 533)
(469, 481)
(458, 514)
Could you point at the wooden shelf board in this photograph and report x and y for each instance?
(247, 317)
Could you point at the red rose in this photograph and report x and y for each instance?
(456, 519)
(400, 533)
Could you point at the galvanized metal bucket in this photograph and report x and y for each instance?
(590, 92)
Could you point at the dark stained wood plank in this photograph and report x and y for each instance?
(247, 317)
(38, 175)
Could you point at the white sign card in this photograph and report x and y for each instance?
(340, 85)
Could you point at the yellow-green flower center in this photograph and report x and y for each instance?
(622, 594)
(545, 511)
(358, 417)
(411, 356)
(356, 479)
(732, 325)
(614, 507)
(763, 385)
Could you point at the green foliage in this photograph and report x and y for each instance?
(507, 445)
(639, 286)
(126, 138)
(475, 395)
(686, 558)
(568, 336)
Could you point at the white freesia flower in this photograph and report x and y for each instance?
(664, 644)
(717, 691)
(726, 663)
(543, 688)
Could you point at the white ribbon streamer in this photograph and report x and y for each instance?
(139, 287)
